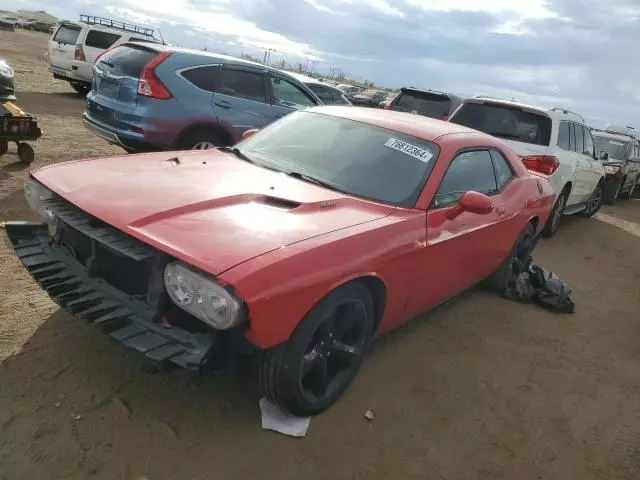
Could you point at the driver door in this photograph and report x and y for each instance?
(464, 250)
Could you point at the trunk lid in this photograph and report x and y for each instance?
(207, 208)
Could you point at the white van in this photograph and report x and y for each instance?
(74, 46)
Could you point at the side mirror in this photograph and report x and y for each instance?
(604, 156)
(248, 133)
(472, 202)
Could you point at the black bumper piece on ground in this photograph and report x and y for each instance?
(128, 320)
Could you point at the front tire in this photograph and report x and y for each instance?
(81, 88)
(594, 203)
(611, 192)
(309, 372)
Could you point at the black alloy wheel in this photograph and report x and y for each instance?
(310, 371)
(594, 203)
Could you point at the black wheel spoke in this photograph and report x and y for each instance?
(344, 353)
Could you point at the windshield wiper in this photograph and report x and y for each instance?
(311, 179)
(236, 151)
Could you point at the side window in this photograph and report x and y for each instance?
(67, 34)
(322, 92)
(471, 170)
(572, 137)
(588, 143)
(202, 77)
(579, 138)
(241, 84)
(288, 95)
(101, 40)
(563, 136)
(502, 168)
(338, 97)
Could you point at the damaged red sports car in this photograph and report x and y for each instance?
(299, 244)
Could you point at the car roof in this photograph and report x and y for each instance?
(305, 78)
(216, 56)
(612, 135)
(554, 113)
(432, 92)
(410, 124)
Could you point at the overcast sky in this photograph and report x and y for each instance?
(580, 54)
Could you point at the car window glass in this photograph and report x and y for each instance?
(354, 157)
(579, 138)
(202, 77)
(588, 142)
(427, 104)
(126, 61)
(504, 121)
(563, 136)
(572, 137)
(102, 40)
(469, 171)
(67, 34)
(241, 84)
(322, 92)
(503, 170)
(289, 95)
(338, 97)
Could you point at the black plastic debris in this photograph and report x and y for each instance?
(531, 283)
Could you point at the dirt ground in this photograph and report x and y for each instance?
(480, 389)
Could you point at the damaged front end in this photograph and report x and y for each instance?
(115, 282)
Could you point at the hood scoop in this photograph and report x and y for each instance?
(280, 203)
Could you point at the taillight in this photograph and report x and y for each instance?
(546, 164)
(149, 85)
(79, 54)
(445, 118)
(387, 106)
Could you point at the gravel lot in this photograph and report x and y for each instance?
(481, 389)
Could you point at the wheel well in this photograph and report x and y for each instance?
(534, 221)
(217, 130)
(567, 188)
(378, 291)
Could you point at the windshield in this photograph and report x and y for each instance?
(352, 157)
(505, 121)
(427, 104)
(615, 148)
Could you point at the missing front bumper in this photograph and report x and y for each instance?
(126, 319)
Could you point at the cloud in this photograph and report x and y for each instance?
(581, 54)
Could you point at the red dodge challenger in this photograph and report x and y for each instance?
(299, 244)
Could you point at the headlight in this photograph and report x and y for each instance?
(201, 296)
(611, 169)
(5, 69)
(37, 196)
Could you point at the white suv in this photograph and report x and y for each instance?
(555, 142)
(74, 47)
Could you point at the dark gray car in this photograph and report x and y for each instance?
(429, 103)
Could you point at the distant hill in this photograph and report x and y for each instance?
(36, 16)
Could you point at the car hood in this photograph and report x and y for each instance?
(208, 208)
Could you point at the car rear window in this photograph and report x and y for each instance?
(505, 121)
(427, 104)
(202, 77)
(322, 92)
(126, 60)
(102, 40)
(67, 34)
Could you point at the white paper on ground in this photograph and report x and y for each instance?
(274, 419)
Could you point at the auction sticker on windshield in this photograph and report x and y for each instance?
(408, 149)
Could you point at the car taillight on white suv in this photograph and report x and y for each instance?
(79, 54)
(149, 85)
(546, 164)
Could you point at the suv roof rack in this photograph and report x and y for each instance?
(107, 22)
(568, 112)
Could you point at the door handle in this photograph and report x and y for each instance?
(223, 103)
(500, 211)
